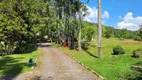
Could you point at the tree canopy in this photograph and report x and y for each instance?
(29, 21)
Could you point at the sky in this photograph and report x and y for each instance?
(117, 13)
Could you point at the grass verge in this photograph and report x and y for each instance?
(12, 65)
(112, 67)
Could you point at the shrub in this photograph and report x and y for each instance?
(118, 50)
(137, 38)
(137, 53)
(121, 38)
(85, 45)
(107, 35)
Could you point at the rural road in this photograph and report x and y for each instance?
(56, 65)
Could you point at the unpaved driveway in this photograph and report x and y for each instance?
(56, 65)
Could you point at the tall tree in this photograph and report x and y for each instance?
(20, 20)
(79, 26)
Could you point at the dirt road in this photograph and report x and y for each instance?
(56, 65)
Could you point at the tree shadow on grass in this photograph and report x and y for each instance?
(10, 67)
(138, 63)
(138, 72)
(138, 76)
(90, 54)
(25, 49)
(85, 49)
(30, 49)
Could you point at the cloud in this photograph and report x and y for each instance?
(93, 15)
(127, 25)
(128, 16)
(105, 15)
(129, 22)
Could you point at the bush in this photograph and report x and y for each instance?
(118, 50)
(107, 35)
(137, 38)
(137, 53)
(121, 38)
(85, 45)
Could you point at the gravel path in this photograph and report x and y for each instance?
(56, 65)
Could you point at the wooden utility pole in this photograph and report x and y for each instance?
(79, 26)
(99, 29)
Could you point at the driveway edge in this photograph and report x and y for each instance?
(84, 65)
(36, 59)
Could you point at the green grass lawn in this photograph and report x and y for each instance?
(17, 63)
(112, 67)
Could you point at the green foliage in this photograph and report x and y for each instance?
(137, 53)
(137, 38)
(88, 31)
(118, 50)
(2, 46)
(107, 35)
(109, 31)
(85, 45)
(104, 31)
(21, 20)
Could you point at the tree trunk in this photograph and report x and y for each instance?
(72, 32)
(58, 26)
(63, 25)
(68, 32)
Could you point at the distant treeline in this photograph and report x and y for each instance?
(122, 33)
(108, 31)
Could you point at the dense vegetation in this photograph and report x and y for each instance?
(26, 21)
(21, 20)
(122, 33)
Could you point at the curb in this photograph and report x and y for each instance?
(84, 65)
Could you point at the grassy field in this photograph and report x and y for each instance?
(112, 67)
(17, 63)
